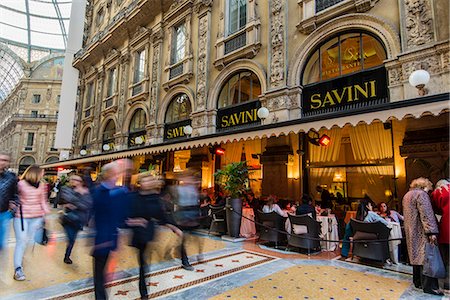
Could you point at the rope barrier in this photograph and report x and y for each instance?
(309, 237)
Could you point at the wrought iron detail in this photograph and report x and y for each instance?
(235, 43)
(176, 71)
(136, 89)
(324, 4)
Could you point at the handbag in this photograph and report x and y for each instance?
(41, 236)
(433, 265)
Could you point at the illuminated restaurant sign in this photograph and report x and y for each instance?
(175, 130)
(238, 116)
(361, 89)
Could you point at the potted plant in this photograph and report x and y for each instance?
(233, 178)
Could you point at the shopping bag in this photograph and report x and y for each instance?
(433, 265)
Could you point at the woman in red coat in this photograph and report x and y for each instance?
(440, 202)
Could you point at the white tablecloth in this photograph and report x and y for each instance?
(248, 228)
(329, 232)
(396, 233)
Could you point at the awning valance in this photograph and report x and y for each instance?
(414, 108)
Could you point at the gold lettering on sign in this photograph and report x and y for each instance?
(239, 118)
(347, 94)
(175, 132)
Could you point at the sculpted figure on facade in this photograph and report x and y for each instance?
(419, 23)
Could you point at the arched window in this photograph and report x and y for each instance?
(52, 159)
(87, 137)
(344, 54)
(179, 109)
(138, 121)
(137, 132)
(241, 87)
(27, 161)
(110, 130)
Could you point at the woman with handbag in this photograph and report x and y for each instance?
(29, 217)
(77, 202)
(420, 229)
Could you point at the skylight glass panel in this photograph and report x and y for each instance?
(46, 40)
(45, 25)
(13, 18)
(42, 9)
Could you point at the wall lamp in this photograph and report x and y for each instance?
(419, 79)
(316, 139)
(188, 130)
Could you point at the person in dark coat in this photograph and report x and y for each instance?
(306, 207)
(325, 197)
(109, 210)
(77, 203)
(145, 205)
(420, 228)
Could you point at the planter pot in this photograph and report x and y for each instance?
(233, 218)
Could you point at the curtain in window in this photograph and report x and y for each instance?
(330, 153)
(370, 142)
(377, 180)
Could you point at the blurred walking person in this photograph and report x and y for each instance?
(109, 208)
(420, 228)
(8, 202)
(145, 205)
(77, 202)
(29, 217)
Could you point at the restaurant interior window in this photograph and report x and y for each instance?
(242, 87)
(237, 15)
(345, 54)
(179, 109)
(178, 43)
(36, 99)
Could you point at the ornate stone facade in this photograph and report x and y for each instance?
(419, 23)
(277, 63)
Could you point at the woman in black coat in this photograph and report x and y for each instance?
(145, 205)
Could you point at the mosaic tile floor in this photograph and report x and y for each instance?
(228, 271)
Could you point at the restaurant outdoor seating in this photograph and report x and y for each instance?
(275, 221)
(378, 251)
(218, 222)
(305, 233)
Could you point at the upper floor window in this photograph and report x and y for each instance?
(324, 4)
(30, 139)
(34, 113)
(89, 95)
(345, 54)
(100, 16)
(178, 43)
(139, 66)
(86, 138)
(110, 130)
(36, 99)
(237, 15)
(58, 99)
(242, 87)
(179, 109)
(112, 82)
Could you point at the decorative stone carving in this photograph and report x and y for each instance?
(277, 103)
(277, 63)
(155, 80)
(430, 64)
(140, 30)
(202, 62)
(395, 76)
(112, 52)
(202, 3)
(419, 23)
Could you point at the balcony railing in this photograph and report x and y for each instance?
(35, 116)
(235, 43)
(324, 4)
(176, 71)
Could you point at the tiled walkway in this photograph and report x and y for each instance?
(227, 271)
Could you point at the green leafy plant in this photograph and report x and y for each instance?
(234, 178)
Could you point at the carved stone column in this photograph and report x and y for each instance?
(417, 22)
(99, 95)
(204, 23)
(123, 89)
(157, 38)
(277, 70)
